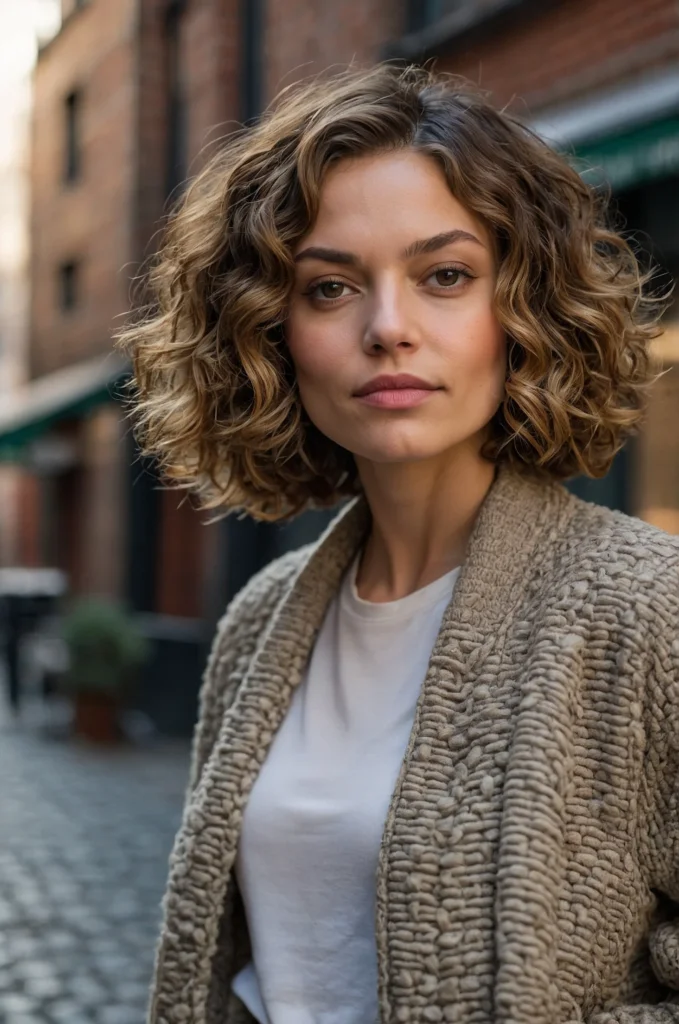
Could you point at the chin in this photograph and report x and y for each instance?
(413, 446)
(401, 452)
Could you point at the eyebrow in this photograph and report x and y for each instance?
(422, 246)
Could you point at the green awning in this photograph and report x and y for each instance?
(32, 409)
(631, 158)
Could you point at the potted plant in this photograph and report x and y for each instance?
(105, 650)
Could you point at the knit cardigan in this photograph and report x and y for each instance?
(529, 866)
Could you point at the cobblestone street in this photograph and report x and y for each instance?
(85, 836)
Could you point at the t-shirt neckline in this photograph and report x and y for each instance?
(421, 600)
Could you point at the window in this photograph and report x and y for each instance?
(175, 171)
(69, 282)
(72, 111)
(422, 13)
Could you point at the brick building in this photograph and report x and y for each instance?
(129, 96)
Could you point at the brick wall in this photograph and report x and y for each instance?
(211, 70)
(570, 49)
(150, 127)
(305, 37)
(207, 68)
(87, 221)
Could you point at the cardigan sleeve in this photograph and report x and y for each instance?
(662, 770)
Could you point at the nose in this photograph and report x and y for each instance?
(389, 325)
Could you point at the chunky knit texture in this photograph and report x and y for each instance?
(529, 869)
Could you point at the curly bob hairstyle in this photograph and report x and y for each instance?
(215, 396)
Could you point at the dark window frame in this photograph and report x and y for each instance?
(69, 285)
(176, 161)
(73, 102)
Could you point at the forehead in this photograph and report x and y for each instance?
(401, 195)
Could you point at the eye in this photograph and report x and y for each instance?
(328, 290)
(449, 278)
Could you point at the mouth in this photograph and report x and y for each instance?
(401, 382)
(397, 398)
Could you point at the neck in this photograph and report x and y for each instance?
(422, 517)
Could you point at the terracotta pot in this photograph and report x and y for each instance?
(96, 717)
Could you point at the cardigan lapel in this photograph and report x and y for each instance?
(436, 929)
(532, 855)
(205, 848)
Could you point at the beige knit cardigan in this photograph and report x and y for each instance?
(529, 866)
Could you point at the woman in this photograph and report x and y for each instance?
(435, 771)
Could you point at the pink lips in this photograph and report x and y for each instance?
(398, 391)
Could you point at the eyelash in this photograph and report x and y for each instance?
(335, 280)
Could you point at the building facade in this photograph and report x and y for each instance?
(21, 26)
(129, 99)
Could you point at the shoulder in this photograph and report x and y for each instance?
(618, 545)
(250, 609)
(625, 567)
(615, 579)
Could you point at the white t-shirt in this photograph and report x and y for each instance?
(307, 858)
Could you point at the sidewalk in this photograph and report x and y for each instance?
(85, 836)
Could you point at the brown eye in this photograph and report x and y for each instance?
(450, 279)
(446, 276)
(330, 289)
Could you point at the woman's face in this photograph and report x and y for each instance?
(396, 277)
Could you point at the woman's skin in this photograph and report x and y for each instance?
(374, 303)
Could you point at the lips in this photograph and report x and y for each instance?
(397, 382)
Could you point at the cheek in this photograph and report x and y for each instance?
(311, 362)
(484, 353)
(481, 366)
(494, 352)
(318, 353)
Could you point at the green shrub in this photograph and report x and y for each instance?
(105, 648)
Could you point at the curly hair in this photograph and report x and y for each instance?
(215, 396)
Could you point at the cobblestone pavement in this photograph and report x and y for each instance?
(85, 836)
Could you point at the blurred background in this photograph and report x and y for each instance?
(107, 107)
